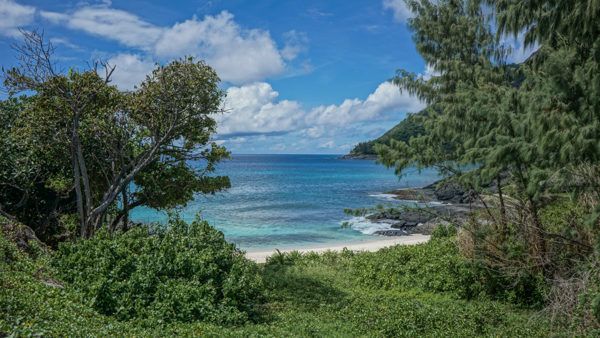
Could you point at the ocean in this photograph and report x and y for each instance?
(296, 201)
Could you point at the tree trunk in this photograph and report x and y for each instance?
(538, 234)
(77, 182)
(121, 181)
(82, 172)
(503, 220)
(125, 209)
(86, 181)
(122, 214)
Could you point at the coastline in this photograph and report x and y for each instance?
(260, 256)
(407, 228)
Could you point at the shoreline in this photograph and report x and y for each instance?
(260, 256)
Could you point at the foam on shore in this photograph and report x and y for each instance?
(387, 197)
(366, 226)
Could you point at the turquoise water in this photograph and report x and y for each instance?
(295, 201)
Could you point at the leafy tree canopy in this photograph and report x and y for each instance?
(79, 146)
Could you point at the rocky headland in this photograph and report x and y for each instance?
(442, 202)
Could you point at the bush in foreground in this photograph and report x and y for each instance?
(305, 296)
(432, 267)
(182, 272)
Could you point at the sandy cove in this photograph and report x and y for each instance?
(260, 256)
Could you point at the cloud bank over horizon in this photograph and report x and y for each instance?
(254, 109)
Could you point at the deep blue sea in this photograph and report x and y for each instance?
(295, 201)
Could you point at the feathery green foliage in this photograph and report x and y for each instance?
(536, 123)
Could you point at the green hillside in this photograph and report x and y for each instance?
(403, 131)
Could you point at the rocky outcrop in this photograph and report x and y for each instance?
(359, 157)
(450, 192)
(400, 219)
(394, 232)
(23, 236)
(419, 195)
(402, 222)
(456, 205)
(444, 191)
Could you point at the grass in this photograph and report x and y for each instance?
(332, 295)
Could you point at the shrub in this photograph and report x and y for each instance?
(435, 266)
(182, 272)
(586, 311)
(596, 307)
(503, 269)
(511, 268)
(432, 267)
(311, 295)
(442, 231)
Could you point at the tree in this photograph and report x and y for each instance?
(159, 133)
(536, 121)
(550, 22)
(34, 184)
(562, 79)
(473, 120)
(455, 39)
(9, 110)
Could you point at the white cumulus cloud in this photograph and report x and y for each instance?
(385, 99)
(255, 109)
(130, 70)
(121, 26)
(14, 16)
(401, 11)
(239, 55)
(295, 43)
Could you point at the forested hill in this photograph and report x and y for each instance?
(403, 131)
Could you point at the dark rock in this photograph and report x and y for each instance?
(23, 236)
(468, 197)
(419, 195)
(385, 216)
(459, 204)
(417, 216)
(359, 157)
(398, 225)
(410, 224)
(390, 232)
(449, 191)
(400, 218)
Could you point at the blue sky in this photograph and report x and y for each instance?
(301, 76)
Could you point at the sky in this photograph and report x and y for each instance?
(301, 76)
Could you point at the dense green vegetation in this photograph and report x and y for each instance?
(410, 127)
(77, 155)
(177, 273)
(401, 291)
(529, 130)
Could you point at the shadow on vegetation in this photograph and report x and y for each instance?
(291, 284)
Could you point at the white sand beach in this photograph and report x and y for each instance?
(260, 256)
